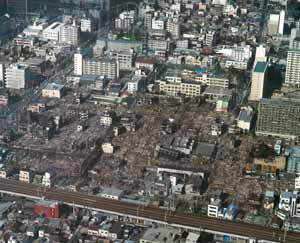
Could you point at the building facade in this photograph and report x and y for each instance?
(278, 118)
(108, 68)
(258, 81)
(292, 75)
(17, 77)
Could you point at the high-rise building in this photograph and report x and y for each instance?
(258, 81)
(78, 64)
(292, 75)
(281, 22)
(273, 24)
(17, 76)
(278, 118)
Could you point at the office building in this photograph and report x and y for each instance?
(78, 64)
(258, 81)
(106, 67)
(278, 118)
(292, 75)
(69, 34)
(17, 76)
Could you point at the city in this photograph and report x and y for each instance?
(149, 121)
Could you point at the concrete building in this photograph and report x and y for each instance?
(53, 90)
(245, 118)
(52, 32)
(78, 64)
(69, 34)
(158, 23)
(161, 234)
(148, 20)
(293, 161)
(210, 38)
(213, 208)
(124, 58)
(25, 176)
(87, 25)
(111, 193)
(261, 54)
(134, 84)
(273, 24)
(281, 22)
(17, 76)
(125, 20)
(46, 180)
(278, 118)
(292, 75)
(173, 27)
(191, 89)
(258, 81)
(106, 67)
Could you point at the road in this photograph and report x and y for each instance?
(151, 213)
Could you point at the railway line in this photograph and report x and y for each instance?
(190, 221)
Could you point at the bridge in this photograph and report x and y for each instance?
(128, 210)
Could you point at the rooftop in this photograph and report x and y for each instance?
(54, 86)
(260, 67)
(162, 234)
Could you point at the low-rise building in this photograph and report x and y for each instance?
(53, 90)
(245, 118)
(25, 176)
(213, 208)
(192, 89)
(111, 193)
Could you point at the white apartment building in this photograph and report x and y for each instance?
(158, 23)
(52, 32)
(134, 84)
(69, 34)
(46, 181)
(86, 25)
(17, 76)
(25, 176)
(78, 64)
(213, 208)
(292, 75)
